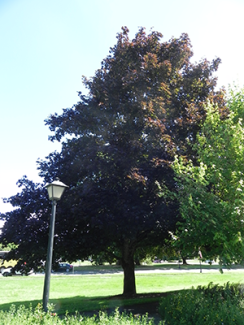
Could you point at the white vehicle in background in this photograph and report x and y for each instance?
(9, 271)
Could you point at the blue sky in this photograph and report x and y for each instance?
(47, 45)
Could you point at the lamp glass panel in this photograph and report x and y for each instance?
(55, 192)
(50, 191)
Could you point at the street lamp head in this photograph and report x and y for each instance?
(55, 190)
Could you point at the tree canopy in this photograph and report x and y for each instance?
(144, 105)
(211, 191)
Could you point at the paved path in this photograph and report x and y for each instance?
(156, 271)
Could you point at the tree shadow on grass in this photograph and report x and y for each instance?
(61, 305)
(140, 304)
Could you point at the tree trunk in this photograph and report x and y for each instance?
(128, 266)
(184, 260)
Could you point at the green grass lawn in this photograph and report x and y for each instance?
(89, 292)
(86, 266)
(192, 264)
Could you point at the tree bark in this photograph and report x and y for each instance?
(128, 266)
(184, 260)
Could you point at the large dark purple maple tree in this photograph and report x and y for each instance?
(144, 104)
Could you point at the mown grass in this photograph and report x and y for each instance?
(101, 291)
(165, 266)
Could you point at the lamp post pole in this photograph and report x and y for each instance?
(49, 257)
(55, 191)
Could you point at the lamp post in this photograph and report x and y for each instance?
(55, 191)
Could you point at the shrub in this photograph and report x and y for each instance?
(211, 305)
(27, 316)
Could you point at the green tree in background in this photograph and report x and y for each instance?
(144, 105)
(211, 192)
